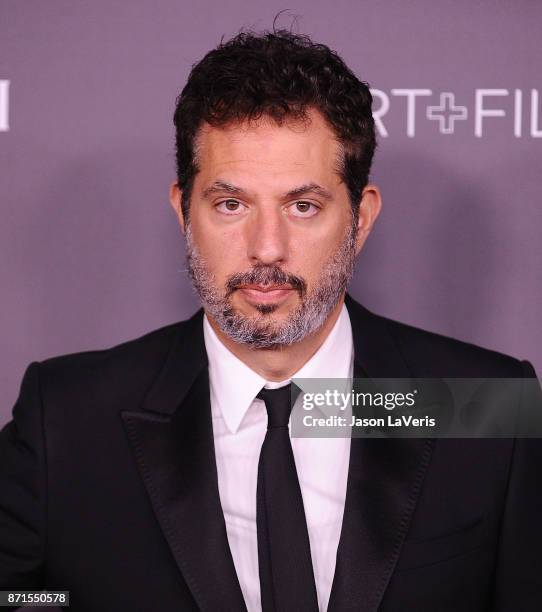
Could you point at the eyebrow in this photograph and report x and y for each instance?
(223, 186)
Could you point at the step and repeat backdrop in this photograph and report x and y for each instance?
(91, 254)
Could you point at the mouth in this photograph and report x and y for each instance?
(266, 294)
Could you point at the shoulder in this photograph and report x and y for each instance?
(430, 354)
(446, 356)
(126, 369)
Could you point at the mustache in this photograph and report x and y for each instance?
(265, 275)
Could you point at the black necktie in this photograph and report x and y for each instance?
(284, 556)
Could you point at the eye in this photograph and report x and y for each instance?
(304, 209)
(230, 207)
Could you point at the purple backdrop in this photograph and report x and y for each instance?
(91, 253)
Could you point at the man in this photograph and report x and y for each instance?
(160, 475)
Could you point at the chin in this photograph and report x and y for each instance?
(265, 312)
(281, 309)
(266, 309)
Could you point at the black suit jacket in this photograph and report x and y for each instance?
(108, 487)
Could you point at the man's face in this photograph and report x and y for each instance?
(271, 238)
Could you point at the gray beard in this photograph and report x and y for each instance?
(260, 330)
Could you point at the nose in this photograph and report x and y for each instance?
(267, 240)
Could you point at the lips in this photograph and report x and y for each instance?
(266, 294)
(266, 288)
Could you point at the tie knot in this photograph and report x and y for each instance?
(278, 405)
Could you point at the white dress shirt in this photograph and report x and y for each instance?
(239, 427)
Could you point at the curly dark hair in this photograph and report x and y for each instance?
(279, 74)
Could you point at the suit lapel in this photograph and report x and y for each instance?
(172, 442)
(384, 481)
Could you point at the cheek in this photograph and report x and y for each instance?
(223, 249)
(310, 252)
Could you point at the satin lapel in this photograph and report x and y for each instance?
(384, 481)
(172, 442)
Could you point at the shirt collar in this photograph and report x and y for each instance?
(233, 385)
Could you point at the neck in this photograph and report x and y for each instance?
(281, 363)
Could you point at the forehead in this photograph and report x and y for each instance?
(262, 149)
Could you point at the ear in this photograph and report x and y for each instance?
(369, 209)
(175, 197)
